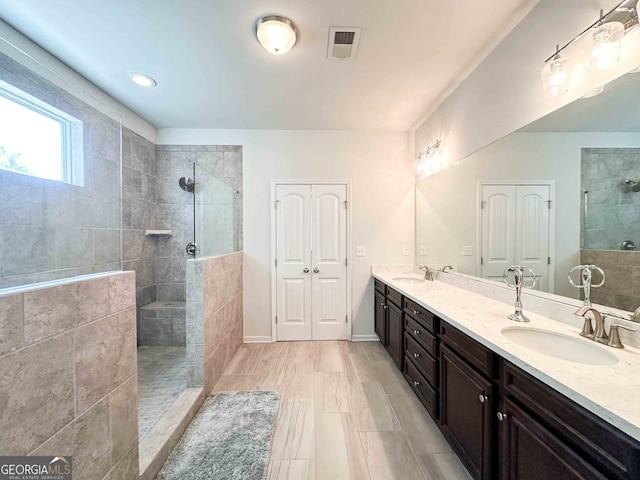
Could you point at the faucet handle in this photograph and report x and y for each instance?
(614, 335)
(587, 328)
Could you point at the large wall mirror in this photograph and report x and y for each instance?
(562, 191)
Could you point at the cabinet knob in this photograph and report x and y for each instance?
(416, 312)
(416, 383)
(501, 416)
(416, 355)
(416, 332)
(385, 306)
(382, 305)
(482, 398)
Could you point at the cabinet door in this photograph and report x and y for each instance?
(380, 323)
(395, 334)
(466, 413)
(531, 452)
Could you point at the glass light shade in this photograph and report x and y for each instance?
(602, 46)
(594, 92)
(276, 34)
(419, 166)
(556, 74)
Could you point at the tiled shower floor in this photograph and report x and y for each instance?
(162, 374)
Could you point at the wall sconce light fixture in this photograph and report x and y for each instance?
(601, 43)
(429, 156)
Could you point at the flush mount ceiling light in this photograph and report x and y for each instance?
(143, 80)
(276, 34)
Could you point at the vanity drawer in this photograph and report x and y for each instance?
(380, 287)
(395, 297)
(422, 315)
(426, 363)
(420, 386)
(418, 332)
(466, 347)
(610, 450)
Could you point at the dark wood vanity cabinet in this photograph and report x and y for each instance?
(389, 321)
(466, 412)
(380, 317)
(502, 422)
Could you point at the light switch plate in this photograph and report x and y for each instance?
(423, 250)
(361, 251)
(405, 250)
(467, 250)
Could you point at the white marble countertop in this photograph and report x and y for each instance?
(611, 392)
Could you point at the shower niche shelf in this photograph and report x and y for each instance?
(159, 233)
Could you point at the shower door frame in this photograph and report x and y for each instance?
(274, 184)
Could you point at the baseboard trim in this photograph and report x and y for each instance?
(365, 338)
(256, 339)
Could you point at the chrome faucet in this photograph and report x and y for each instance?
(444, 269)
(586, 280)
(518, 274)
(428, 272)
(600, 333)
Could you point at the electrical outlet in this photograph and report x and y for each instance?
(467, 250)
(361, 251)
(405, 250)
(423, 250)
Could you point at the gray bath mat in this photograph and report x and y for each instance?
(229, 439)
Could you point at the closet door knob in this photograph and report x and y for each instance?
(306, 270)
(316, 270)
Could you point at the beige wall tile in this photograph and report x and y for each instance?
(11, 324)
(127, 468)
(122, 291)
(87, 439)
(36, 394)
(105, 356)
(54, 310)
(123, 403)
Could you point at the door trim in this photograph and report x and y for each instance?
(552, 223)
(274, 184)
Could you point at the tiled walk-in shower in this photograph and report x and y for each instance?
(162, 377)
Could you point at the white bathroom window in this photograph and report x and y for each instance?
(36, 138)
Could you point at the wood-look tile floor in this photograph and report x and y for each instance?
(346, 413)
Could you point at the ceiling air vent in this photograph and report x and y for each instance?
(343, 43)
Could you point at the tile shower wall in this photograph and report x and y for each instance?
(214, 317)
(49, 229)
(621, 290)
(75, 343)
(139, 213)
(175, 206)
(613, 210)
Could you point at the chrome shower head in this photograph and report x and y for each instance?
(187, 184)
(633, 185)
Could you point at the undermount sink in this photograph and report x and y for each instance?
(408, 280)
(560, 346)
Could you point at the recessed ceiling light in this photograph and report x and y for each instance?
(276, 34)
(143, 80)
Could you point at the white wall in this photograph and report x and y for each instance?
(380, 167)
(26, 52)
(519, 156)
(504, 93)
